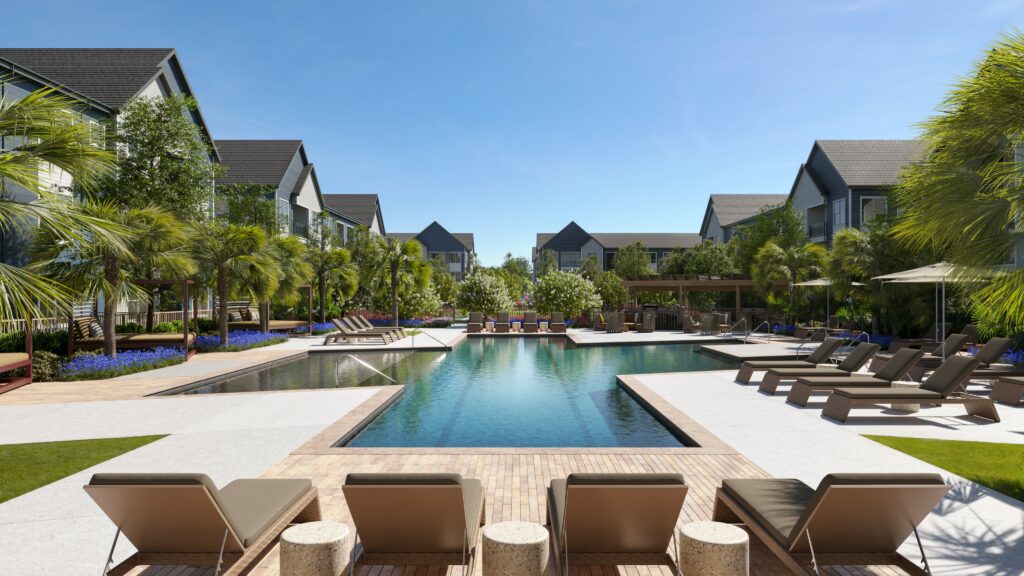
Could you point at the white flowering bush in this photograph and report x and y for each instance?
(565, 292)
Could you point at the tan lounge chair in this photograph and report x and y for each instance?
(929, 336)
(184, 520)
(820, 355)
(557, 324)
(849, 519)
(248, 320)
(1008, 390)
(627, 517)
(476, 323)
(362, 323)
(530, 322)
(939, 388)
(895, 369)
(392, 332)
(350, 336)
(83, 339)
(414, 518)
(853, 362)
(502, 325)
(12, 361)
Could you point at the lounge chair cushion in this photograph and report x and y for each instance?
(253, 505)
(95, 330)
(804, 371)
(558, 487)
(888, 393)
(151, 479)
(776, 504)
(844, 381)
(770, 364)
(234, 317)
(9, 358)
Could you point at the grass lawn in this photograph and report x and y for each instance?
(25, 467)
(998, 466)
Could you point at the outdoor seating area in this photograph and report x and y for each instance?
(505, 323)
(358, 330)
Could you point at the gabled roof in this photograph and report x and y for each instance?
(256, 161)
(464, 238)
(649, 239)
(110, 76)
(361, 208)
(733, 208)
(871, 162)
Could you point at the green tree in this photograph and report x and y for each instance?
(482, 292)
(401, 269)
(517, 266)
(442, 281)
(566, 292)
(590, 268)
(706, 258)
(293, 271)
(775, 264)
(161, 249)
(632, 261)
(165, 159)
(782, 226)
(965, 200)
(44, 130)
(334, 273)
(547, 262)
(249, 205)
(610, 289)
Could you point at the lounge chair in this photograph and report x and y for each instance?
(87, 334)
(476, 323)
(939, 388)
(393, 332)
(895, 369)
(247, 319)
(859, 517)
(853, 362)
(184, 520)
(688, 323)
(363, 324)
(615, 515)
(502, 325)
(347, 334)
(12, 361)
(598, 321)
(530, 322)
(929, 361)
(929, 336)
(615, 324)
(820, 355)
(989, 354)
(973, 339)
(1008, 390)
(410, 518)
(557, 324)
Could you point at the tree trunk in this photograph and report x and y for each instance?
(222, 305)
(322, 293)
(264, 308)
(109, 321)
(394, 296)
(151, 309)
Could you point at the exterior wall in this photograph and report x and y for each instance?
(592, 248)
(305, 206)
(375, 226)
(834, 188)
(714, 232)
(808, 200)
(436, 240)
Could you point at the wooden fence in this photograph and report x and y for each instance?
(138, 317)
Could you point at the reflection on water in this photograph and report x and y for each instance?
(527, 392)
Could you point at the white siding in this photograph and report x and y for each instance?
(375, 225)
(806, 193)
(154, 90)
(307, 197)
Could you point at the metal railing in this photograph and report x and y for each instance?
(810, 338)
(817, 230)
(732, 329)
(756, 328)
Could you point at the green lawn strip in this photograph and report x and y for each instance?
(25, 467)
(998, 466)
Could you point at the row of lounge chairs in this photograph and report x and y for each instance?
(356, 330)
(600, 518)
(618, 321)
(848, 388)
(503, 324)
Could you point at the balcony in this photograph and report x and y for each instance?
(817, 231)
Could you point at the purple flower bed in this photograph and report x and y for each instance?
(1013, 356)
(238, 340)
(318, 328)
(98, 366)
(435, 322)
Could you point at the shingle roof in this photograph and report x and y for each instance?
(359, 207)
(871, 162)
(256, 161)
(649, 239)
(732, 208)
(465, 238)
(110, 76)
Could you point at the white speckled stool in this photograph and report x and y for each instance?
(314, 549)
(714, 549)
(906, 407)
(515, 549)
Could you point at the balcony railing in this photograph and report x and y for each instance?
(300, 229)
(818, 230)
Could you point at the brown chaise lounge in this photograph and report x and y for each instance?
(12, 361)
(895, 369)
(820, 355)
(929, 336)
(930, 360)
(184, 520)
(530, 322)
(419, 519)
(476, 323)
(248, 321)
(851, 519)
(1008, 390)
(393, 333)
(363, 324)
(557, 324)
(84, 340)
(501, 325)
(853, 362)
(630, 518)
(353, 337)
(939, 388)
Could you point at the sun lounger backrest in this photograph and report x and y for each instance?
(529, 318)
(900, 363)
(860, 355)
(952, 345)
(352, 326)
(476, 318)
(503, 317)
(971, 330)
(993, 350)
(866, 512)
(622, 513)
(557, 318)
(953, 372)
(827, 348)
(170, 513)
(396, 513)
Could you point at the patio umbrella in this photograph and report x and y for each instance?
(939, 274)
(827, 283)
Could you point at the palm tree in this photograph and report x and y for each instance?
(774, 264)
(228, 255)
(401, 267)
(47, 134)
(291, 272)
(965, 200)
(333, 270)
(161, 251)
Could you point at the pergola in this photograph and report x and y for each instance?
(683, 285)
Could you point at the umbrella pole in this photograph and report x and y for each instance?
(943, 318)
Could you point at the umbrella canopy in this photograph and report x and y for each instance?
(822, 282)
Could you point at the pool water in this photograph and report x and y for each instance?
(527, 392)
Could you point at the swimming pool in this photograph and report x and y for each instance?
(527, 392)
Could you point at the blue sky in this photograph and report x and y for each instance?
(508, 119)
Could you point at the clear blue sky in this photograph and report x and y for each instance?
(506, 119)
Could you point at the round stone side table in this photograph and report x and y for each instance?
(515, 549)
(714, 549)
(314, 549)
(905, 407)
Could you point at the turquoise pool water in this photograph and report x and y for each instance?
(526, 392)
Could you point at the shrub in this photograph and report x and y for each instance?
(609, 287)
(55, 342)
(46, 366)
(95, 366)
(483, 293)
(130, 328)
(238, 340)
(565, 292)
(204, 325)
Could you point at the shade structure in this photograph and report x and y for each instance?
(827, 283)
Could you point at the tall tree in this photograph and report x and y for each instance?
(42, 131)
(249, 205)
(161, 249)
(292, 269)
(775, 264)
(632, 261)
(547, 262)
(966, 198)
(781, 225)
(334, 273)
(165, 158)
(402, 268)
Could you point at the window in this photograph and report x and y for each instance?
(873, 208)
(839, 214)
(653, 256)
(454, 257)
(569, 260)
(284, 216)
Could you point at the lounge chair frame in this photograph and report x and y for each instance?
(1008, 391)
(775, 376)
(838, 407)
(748, 368)
(346, 333)
(802, 389)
